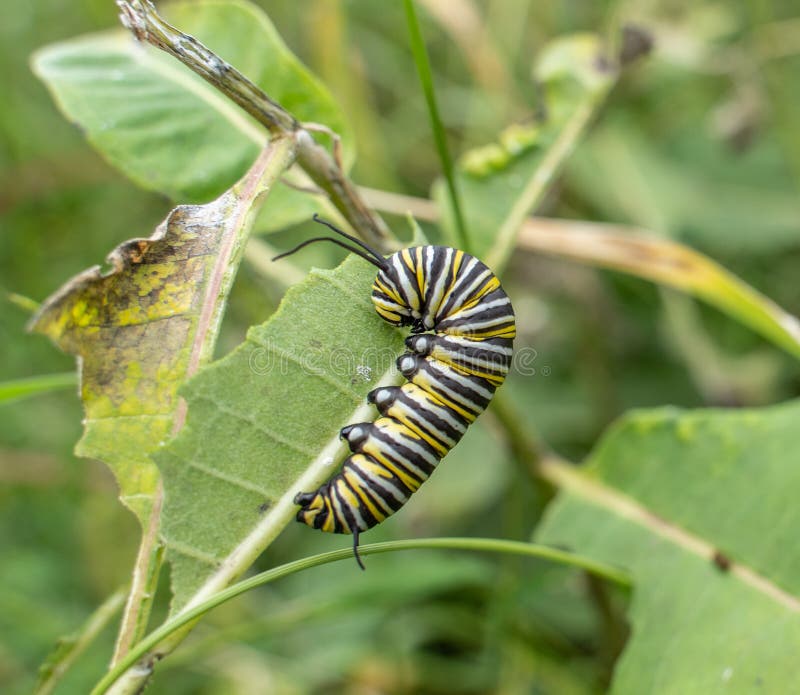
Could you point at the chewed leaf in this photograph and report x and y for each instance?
(140, 328)
(263, 424)
(161, 124)
(701, 509)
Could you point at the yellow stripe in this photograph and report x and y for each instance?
(490, 286)
(328, 526)
(390, 316)
(409, 481)
(458, 257)
(425, 383)
(389, 292)
(499, 332)
(421, 283)
(435, 443)
(355, 485)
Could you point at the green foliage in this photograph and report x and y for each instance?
(23, 388)
(500, 190)
(267, 416)
(700, 508)
(697, 142)
(166, 128)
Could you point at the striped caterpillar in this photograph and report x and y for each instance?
(451, 375)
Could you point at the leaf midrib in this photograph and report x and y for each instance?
(594, 491)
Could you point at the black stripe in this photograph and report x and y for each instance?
(428, 421)
(376, 493)
(465, 279)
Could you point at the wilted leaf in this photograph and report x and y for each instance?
(267, 416)
(501, 184)
(701, 508)
(161, 124)
(142, 327)
(668, 263)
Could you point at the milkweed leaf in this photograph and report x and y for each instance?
(263, 424)
(701, 508)
(166, 128)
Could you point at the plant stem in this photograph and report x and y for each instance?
(534, 189)
(525, 444)
(141, 18)
(143, 583)
(31, 386)
(426, 79)
(83, 638)
(248, 194)
(147, 655)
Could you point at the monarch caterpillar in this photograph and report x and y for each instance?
(451, 375)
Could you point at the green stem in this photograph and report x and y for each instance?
(22, 388)
(537, 185)
(146, 24)
(83, 638)
(146, 653)
(426, 80)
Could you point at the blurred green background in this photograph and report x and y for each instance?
(699, 142)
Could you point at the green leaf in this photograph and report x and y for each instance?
(161, 124)
(143, 326)
(665, 493)
(500, 184)
(23, 388)
(719, 201)
(263, 424)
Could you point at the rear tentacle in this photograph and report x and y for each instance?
(355, 549)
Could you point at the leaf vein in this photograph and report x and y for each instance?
(271, 434)
(192, 552)
(230, 479)
(311, 370)
(347, 290)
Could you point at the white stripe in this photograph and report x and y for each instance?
(409, 443)
(465, 381)
(480, 306)
(435, 296)
(463, 341)
(411, 292)
(463, 294)
(458, 397)
(426, 427)
(339, 510)
(387, 486)
(426, 404)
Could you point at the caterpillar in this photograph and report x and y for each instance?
(459, 351)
